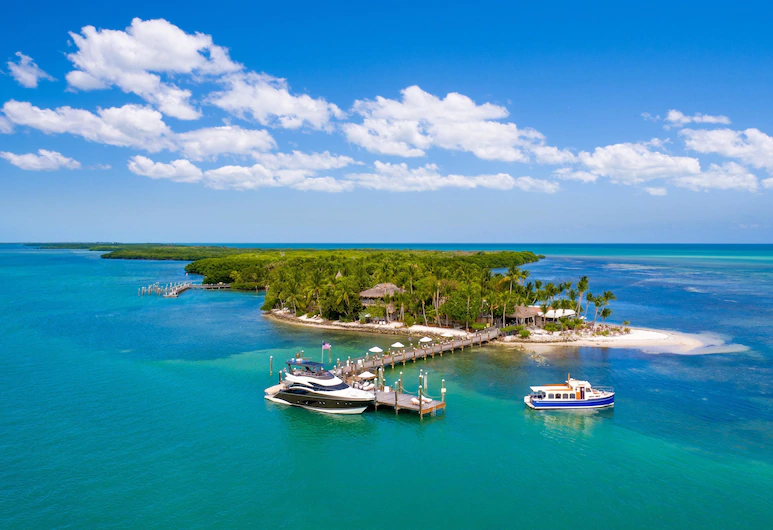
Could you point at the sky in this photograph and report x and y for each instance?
(506, 122)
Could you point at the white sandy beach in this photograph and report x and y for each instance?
(647, 340)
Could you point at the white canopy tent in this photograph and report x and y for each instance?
(425, 339)
(366, 376)
(375, 349)
(398, 345)
(447, 335)
(554, 314)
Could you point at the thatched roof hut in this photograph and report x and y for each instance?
(380, 291)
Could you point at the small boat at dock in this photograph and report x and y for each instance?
(307, 384)
(574, 394)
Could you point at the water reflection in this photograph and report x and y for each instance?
(565, 422)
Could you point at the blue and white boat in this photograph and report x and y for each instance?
(573, 394)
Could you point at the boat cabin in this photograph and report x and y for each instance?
(571, 390)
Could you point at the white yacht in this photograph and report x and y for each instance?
(573, 394)
(307, 384)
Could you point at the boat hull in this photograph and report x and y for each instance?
(540, 404)
(321, 403)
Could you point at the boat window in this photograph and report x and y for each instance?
(550, 396)
(566, 396)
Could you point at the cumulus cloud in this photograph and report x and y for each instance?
(127, 126)
(421, 120)
(633, 163)
(567, 173)
(6, 127)
(133, 59)
(751, 146)
(43, 161)
(26, 72)
(213, 141)
(728, 176)
(176, 171)
(767, 183)
(398, 177)
(294, 170)
(268, 100)
(139, 127)
(657, 192)
(679, 119)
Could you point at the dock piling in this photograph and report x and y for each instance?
(271, 366)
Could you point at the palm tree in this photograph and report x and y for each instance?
(605, 313)
(582, 286)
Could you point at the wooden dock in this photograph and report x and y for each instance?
(173, 290)
(401, 401)
(391, 358)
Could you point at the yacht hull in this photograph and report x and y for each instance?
(321, 403)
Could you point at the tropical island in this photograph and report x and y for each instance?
(394, 291)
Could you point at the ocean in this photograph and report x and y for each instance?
(122, 411)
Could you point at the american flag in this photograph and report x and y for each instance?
(326, 346)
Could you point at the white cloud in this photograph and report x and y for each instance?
(177, 171)
(767, 183)
(630, 163)
(6, 127)
(304, 161)
(676, 118)
(295, 170)
(213, 141)
(567, 173)
(268, 100)
(657, 192)
(728, 176)
(43, 161)
(422, 120)
(127, 126)
(132, 60)
(26, 72)
(751, 146)
(398, 177)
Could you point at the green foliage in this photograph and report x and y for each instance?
(439, 288)
(524, 333)
(477, 326)
(507, 329)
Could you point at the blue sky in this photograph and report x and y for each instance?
(390, 122)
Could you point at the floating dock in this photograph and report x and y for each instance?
(401, 401)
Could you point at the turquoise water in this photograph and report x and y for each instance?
(125, 412)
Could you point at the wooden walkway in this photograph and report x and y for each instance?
(400, 401)
(390, 359)
(173, 290)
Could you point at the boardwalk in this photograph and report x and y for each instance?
(173, 290)
(390, 359)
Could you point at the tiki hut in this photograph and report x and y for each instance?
(377, 293)
(524, 315)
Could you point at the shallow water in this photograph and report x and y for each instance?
(128, 411)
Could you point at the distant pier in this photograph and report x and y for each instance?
(173, 290)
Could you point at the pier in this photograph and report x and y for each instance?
(397, 397)
(173, 290)
(391, 358)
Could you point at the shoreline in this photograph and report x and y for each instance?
(394, 328)
(647, 340)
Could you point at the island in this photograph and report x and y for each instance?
(428, 292)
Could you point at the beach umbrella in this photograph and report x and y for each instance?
(366, 376)
(375, 349)
(425, 339)
(398, 345)
(447, 335)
